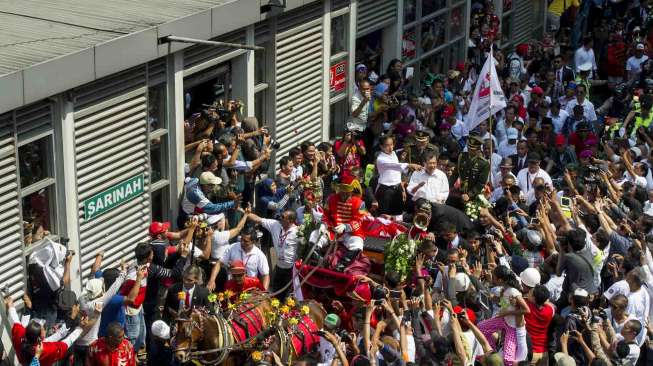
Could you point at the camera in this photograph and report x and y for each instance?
(342, 333)
(379, 293)
(274, 144)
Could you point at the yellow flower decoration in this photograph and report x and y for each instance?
(228, 294)
(290, 302)
(275, 303)
(285, 309)
(305, 310)
(212, 297)
(293, 321)
(257, 356)
(221, 296)
(244, 296)
(231, 306)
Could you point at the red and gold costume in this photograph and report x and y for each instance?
(346, 209)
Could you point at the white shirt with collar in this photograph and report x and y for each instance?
(559, 120)
(390, 169)
(256, 264)
(285, 242)
(506, 149)
(588, 109)
(583, 56)
(435, 189)
(525, 179)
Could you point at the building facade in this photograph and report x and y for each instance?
(95, 153)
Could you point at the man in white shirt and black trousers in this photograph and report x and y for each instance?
(285, 242)
(528, 174)
(430, 184)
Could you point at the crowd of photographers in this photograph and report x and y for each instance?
(529, 236)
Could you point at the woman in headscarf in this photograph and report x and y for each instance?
(270, 199)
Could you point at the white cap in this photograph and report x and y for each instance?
(581, 292)
(585, 67)
(512, 133)
(212, 219)
(530, 277)
(209, 178)
(640, 46)
(461, 282)
(94, 288)
(161, 329)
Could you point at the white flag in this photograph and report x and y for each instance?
(488, 97)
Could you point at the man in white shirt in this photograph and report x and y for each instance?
(585, 54)
(256, 263)
(588, 108)
(360, 105)
(508, 147)
(528, 174)
(558, 116)
(221, 237)
(430, 184)
(634, 63)
(285, 242)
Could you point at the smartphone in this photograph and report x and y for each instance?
(394, 294)
(565, 201)
(535, 221)
(410, 71)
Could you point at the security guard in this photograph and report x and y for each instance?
(642, 118)
(415, 152)
(473, 169)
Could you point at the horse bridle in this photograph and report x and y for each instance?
(188, 331)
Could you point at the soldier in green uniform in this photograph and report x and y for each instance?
(473, 170)
(415, 151)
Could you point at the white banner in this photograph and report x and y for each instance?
(488, 97)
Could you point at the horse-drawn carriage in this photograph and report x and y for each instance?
(255, 329)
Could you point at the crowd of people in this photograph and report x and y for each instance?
(524, 240)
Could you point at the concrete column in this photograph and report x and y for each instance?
(68, 196)
(351, 63)
(175, 85)
(243, 75)
(326, 64)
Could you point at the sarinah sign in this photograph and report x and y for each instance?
(114, 196)
(337, 77)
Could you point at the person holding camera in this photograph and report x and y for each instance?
(350, 150)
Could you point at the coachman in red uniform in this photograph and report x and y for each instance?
(342, 215)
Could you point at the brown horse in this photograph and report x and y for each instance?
(210, 339)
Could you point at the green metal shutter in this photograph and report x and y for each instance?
(523, 18)
(374, 15)
(11, 245)
(111, 146)
(298, 99)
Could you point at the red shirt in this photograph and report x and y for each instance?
(537, 324)
(579, 143)
(52, 351)
(100, 355)
(248, 282)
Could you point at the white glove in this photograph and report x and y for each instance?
(323, 229)
(340, 229)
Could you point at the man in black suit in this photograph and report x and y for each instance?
(188, 292)
(519, 161)
(563, 73)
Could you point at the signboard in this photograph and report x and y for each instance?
(113, 197)
(337, 77)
